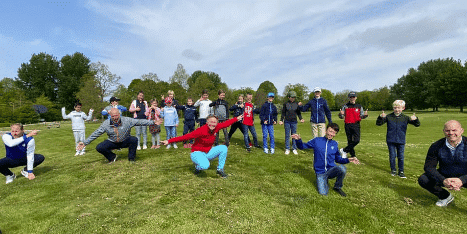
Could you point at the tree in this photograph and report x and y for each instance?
(200, 80)
(263, 90)
(380, 99)
(341, 98)
(72, 67)
(106, 81)
(180, 77)
(452, 85)
(150, 76)
(301, 90)
(326, 94)
(90, 94)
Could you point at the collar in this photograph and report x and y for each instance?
(452, 147)
(117, 123)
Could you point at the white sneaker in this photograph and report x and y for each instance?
(295, 151)
(169, 146)
(343, 154)
(266, 150)
(24, 173)
(138, 148)
(272, 151)
(445, 202)
(145, 146)
(82, 152)
(10, 178)
(287, 152)
(175, 146)
(77, 153)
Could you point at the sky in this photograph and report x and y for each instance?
(336, 44)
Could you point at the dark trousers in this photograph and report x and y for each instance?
(188, 126)
(226, 135)
(353, 137)
(106, 147)
(434, 187)
(234, 127)
(7, 163)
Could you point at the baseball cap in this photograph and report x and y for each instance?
(270, 94)
(316, 89)
(113, 99)
(352, 94)
(292, 94)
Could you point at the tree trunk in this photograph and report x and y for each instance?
(462, 108)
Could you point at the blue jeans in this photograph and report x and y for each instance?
(171, 131)
(268, 129)
(201, 159)
(141, 130)
(246, 137)
(393, 147)
(322, 179)
(290, 128)
(106, 147)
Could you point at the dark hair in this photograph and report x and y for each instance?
(141, 91)
(189, 98)
(78, 104)
(220, 91)
(205, 91)
(334, 126)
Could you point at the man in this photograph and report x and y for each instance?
(19, 152)
(113, 104)
(319, 112)
(451, 155)
(118, 129)
(326, 153)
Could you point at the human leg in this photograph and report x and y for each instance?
(314, 130)
(253, 133)
(200, 160)
(392, 157)
(321, 129)
(245, 135)
(6, 164)
(144, 129)
(138, 130)
(219, 151)
(433, 187)
(337, 172)
(271, 137)
(130, 143)
(105, 148)
(293, 130)
(353, 137)
(264, 129)
(400, 157)
(287, 135)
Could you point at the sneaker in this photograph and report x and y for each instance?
(132, 161)
(248, 149)
(393, 173)
(77, 153)
(272, 151)
(169, 146)
(175, 146)
(113, 160)
(82, 153)
(24, 173)
(257, 146)
(221, 173)
(266, 150)
(295, 151)
(10, 178)
(445, 202)
(287, 152)
(250, 144)
(138, 148)
(197, 171)
(401, 175)
(340, 192)
(343, 154)
(145, 146)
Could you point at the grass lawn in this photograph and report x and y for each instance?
(263, 193)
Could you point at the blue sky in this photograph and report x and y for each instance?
(336, 45)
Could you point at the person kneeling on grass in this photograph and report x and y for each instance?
(202, 151)
(19, 152)
(326, 152)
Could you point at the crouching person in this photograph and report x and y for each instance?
(326, 153)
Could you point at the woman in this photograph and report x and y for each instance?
(202, 151)
(138, 107)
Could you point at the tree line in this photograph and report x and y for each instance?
(54, 83)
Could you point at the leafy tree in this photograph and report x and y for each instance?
(380, 99)
(180, 76)
(53, 112)
(105, 80)
(267, 87)
(72, 68)
(90, 94)
(25, 115)
(341, 98)
(452, 85)
(326, 94)
(150, 76)
(211, 77)
(301, 90)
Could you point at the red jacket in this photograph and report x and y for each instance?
(204, 138)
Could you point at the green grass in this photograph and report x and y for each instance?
(263, 193)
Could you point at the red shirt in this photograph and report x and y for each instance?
(248, 114)
(204, 137)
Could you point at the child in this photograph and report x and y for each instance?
(170, 94)
(268, 117)
(153, 113)
(352, 113)
(248, 123)
(204, 109)
(221, 111)
(395, 136)
(290, 111)
(170, 116)
(319, 112)
(113, 104)
(138, 107)
(77, 124)
(190, 118)
(326, 153)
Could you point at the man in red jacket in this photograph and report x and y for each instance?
(202, 151)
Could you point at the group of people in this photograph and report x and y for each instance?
(445, 166)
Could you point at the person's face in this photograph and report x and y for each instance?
(114, 103)
(140, 96)
(78, 108)
(453, 131)
(398, 109)
(212, 123)
(330, 133)
(270, 99)
(171, 95)
(168, 103)
(317, 94)
(240, 98)
(115, 115)
(292, 99)
(189, 102)
(154, 104)
(249, 98)
(352, 99)
(16, 131)
(222, 96)
(205, 96)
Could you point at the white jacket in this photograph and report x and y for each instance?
(77, 119)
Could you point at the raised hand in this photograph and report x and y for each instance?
(300, 103)
(342, 112)
(366, 112)
(413, 117)
(383, 115)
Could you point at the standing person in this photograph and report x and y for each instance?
(138, 107)
(170, 94)
(77, 124)
(268, 117)
(290, 111)
(352, 113)
(238, 109)
(113, 104)
(204, 109)
(118, 129)
(170, 116)
(248, 123)
(19, 152)
(202, 151)
(326, 154)
(153, 113)
(221, 111)
(395, 136)
(190, 119)
(319, 112)
(449, 155)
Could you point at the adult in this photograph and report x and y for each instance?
(138, 107)
(19, 152)
(113, 104)
(202, 151)
(118, 130)
(319, 111)
(450, 153)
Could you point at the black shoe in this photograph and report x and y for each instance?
(131, 161)
(197, 171)
(393, 173)
(402, 175)
(113, 160)
(339, 191)
(248, 149)
(222, 173)
(257, 146)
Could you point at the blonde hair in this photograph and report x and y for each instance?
(398, 103)
(171, 92)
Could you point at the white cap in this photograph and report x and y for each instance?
(316, 89)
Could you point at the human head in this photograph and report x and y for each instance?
(114, 114)
(78, 107)
(205, 94)
(221, 94)
(240, 98)
(331, 130)
(17, 130)
(352, 96)
(398, 106)
(140, 96)
(168, 101)
(249, 97)
(317, 91)
(212, 122)
(189, 101)
(453, 131)
(114, 101)
(154, 102)
(270, 97)
(171, 94)
(291, 95)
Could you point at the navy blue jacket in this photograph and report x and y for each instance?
(397, 126)
(268, 112)
(319, 110)
(237, 110)
(190, 112)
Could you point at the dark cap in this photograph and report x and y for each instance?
(113, 99)
(352, 94)
(292, 94)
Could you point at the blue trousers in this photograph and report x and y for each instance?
(290, 128)
(106, 147)
(322, 179)
(201, 159)
(396, 150)
(268, 129)
(171, 131)
(246, 138)
(188, 126)
(141, 130)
